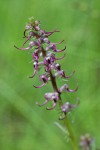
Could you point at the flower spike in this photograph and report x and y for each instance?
(43, 53)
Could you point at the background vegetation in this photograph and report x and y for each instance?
(23, 125)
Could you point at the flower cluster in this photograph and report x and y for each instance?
(41, 47)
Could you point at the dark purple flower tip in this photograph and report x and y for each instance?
(47, 60)
(50, 59)
(57, 67)
(35, 65)
(44, 78)
(63, 75)
(35, 55)
(66, 88)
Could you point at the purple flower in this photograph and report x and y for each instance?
(67, 107)
(62, 74)
(57, 67)
(53, 47)
(51, 96)
(35, 55)
(49, 61)
(44, 78)
(66, 88)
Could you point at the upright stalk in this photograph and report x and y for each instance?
(66, 120)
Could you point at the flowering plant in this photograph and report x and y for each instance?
(39, 40)
(44, 55)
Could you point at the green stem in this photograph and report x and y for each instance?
(71, 135)
(66, 121)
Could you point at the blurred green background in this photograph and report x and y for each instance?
(23, 125)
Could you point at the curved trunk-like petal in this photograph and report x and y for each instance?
(60, 50)
(39, 86)
(60, 58)
(43, 103)
(65, 87)
(33, 74)
(25, 36)
(78, 102)
(26, 40)
(51, 32)
(23, 48)
(69, 90)
(69, 75)
(54, 105)
(55, 43)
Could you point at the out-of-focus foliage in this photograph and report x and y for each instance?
(23, 125)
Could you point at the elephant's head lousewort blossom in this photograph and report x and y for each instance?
(40, 46)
